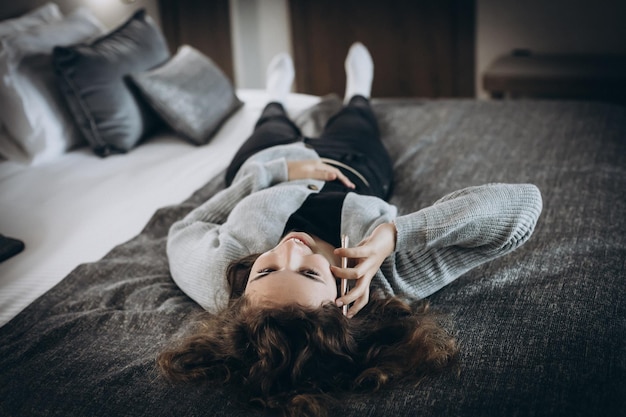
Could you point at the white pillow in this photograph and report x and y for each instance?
(47, 13)
(34, 114)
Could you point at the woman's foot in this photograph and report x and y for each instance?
(279, 77)
(359, 72)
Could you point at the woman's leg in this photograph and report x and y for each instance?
(356, 119)
(273, 127)
(352, 137)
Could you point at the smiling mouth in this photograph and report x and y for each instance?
(299, 237)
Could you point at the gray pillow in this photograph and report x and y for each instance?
(190, 93)
(92, 78)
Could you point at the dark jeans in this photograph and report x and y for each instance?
(351, 137)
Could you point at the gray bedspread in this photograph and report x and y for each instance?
(542, 331)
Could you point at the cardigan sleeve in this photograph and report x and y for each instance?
(200, 248)
(437, 244)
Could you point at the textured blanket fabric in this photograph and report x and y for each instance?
(542, 331)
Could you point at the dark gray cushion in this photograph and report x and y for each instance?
(190, 93)
(92, 79)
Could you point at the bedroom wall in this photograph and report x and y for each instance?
(260, 30)
(555, 26)
(110, 12)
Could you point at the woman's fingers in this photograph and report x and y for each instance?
(318, 170)
(345, 179)
(355, 252)
(330, 173)
(360, 289)
(359, 296)
(359, 304)
(341, 273)
(357, 272)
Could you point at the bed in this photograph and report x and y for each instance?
(89, 302)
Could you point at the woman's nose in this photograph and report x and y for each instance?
(293, 253)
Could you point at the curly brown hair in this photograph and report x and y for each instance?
(296, 359)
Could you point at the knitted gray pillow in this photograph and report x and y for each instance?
(190, 93)
(93, 80)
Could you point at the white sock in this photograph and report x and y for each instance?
(279, 77)
(359, 72)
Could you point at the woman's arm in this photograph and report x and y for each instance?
(437, 244)
(199, 248)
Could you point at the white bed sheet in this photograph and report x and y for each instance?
(77, 208)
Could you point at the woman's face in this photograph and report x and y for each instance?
(297, 270)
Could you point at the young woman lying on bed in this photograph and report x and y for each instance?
(263, 257)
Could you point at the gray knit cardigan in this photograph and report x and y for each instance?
(434, 245)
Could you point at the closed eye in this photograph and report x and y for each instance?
(264, 272)
(307, 273)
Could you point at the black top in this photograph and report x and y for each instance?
(319, 215)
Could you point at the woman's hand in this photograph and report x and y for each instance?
(316, 170)
(369, 256)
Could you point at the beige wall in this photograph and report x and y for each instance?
(260, 30)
